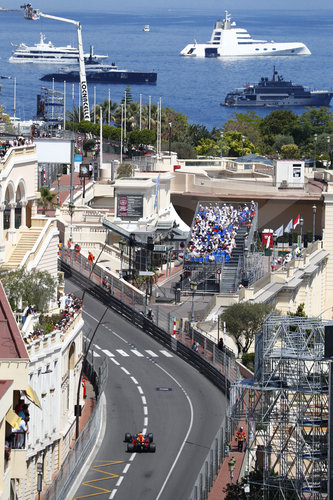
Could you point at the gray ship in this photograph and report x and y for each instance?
(276, 93)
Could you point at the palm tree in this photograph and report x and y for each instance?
(46, 199)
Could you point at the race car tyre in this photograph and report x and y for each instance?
(152, 447)
(127, 437)
(150, 437)
(130, 447)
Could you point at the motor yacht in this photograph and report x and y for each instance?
(228, 40)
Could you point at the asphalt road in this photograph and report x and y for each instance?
(149, 389)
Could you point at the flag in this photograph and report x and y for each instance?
(157, 184)
(296, 222)
(268, 242)
(279, 232)
(289, 226)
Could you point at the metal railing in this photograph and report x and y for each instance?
(77, 455)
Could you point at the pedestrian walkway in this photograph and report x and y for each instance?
(223, 478)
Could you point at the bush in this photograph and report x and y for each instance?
(248, 360)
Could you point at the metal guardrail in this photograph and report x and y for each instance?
(77, 455)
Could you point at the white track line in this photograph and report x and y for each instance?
(137, 353)
(125, 371)
(108, 353)
(122, 353)
(166, 353)
(152, 353)
(132, 457)
(140, 389)
(144, 401)
(145, 410)
(127, 466)
(112, 494)
(134, 380)
(120, 480)
(115, 361)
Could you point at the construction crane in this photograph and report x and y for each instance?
(33, 15)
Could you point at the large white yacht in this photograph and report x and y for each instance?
(43, 52)
(228, 40)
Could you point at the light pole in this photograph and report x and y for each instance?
(301, 221)
(122, 245)
(170, 136)
(193, 287)
(58, 179)
(221, 144)
(243, 140)
(315, 137)
(314, 210)
(328, 138)
(71, 208)
(39, 478)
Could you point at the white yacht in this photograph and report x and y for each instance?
(146, 27)
(43, 52)
(228, 40)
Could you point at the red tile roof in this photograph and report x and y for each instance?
(11, 343)
(4, 386)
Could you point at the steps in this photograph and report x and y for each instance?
(230, 269)
(25, 244)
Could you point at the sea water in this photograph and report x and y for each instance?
(192, 86)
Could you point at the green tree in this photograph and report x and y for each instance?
(207, 147)
(290, 151)
(196, 133)
(46, 199)
(124, 170)
(236, 491)
(183, 150)
(24, 287)
(282, 140)
(280, 122)
(244, 320)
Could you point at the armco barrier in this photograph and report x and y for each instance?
(150, 328)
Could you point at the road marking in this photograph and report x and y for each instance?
(125, 371)
(132, 457)
(152, 354)
(97, 346)
(145, 421)
(112, 494)
(140, 389)
(145, 410)
(144, 400)
(144, 431)
(127, 466)
(137, 353)
(122, 353)
(106, 327)
(134, 380)
(108, 353)
(115, 361)
(96, 355)
(167, 354)
(120, 480)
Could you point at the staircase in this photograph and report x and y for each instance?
(230, 269)
(25, 244)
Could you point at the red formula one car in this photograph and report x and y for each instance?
(140, 442)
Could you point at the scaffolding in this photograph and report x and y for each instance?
(286, 407)
(50, 105)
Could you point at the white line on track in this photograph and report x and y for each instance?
(120, 480)
(186, 436)
(112, 494)
(132, 457)
(145, 410)
(134, 380)
(144, 401)
(108, 353)
(144, 431)
(152, 353)
(115, 361)
(122, 353)
(125, 371)
(137, 353)
(145, 422)
(140, 389)
(106, 327)
(127, 466)
(166, 353)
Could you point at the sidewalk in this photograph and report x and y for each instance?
(223, 477)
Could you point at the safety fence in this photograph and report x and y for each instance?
(77, 455)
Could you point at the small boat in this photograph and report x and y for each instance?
(146, 27)
(43, 52)
(276, 93)
(229, 41)
(102, 73)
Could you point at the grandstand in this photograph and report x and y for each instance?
(220, 247)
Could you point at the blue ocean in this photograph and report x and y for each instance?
(193, 86)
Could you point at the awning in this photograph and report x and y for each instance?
(13, 419)
(32, 396)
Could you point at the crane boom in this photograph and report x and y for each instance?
(34, 14)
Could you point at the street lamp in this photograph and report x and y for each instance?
(315, 137)
(122, 244)
(71, 208)
(39, 478)
(170, 135)
(328, 138)
(193, 287)
(243, 140)
(301, 221)
(221, 144)
(314, 210)
(58, 179)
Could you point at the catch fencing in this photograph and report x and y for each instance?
(77, 455)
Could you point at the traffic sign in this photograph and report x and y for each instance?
(218, 271)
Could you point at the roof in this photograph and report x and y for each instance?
(11, 342)
(4, 386)
(253, 158)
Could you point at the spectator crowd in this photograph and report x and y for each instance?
(214, 231)
(19, 141)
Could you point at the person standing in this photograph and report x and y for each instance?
(240, 438)
(231, 466)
